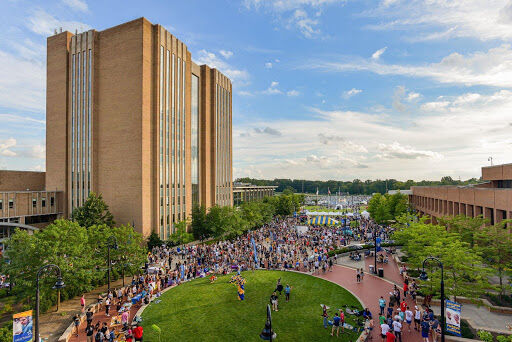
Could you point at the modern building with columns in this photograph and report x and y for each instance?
(492, 198)
(246, 192)
(131, 116)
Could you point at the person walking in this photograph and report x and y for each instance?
(425, 328)
(138, 332)
(408, 318)
(397, 329)
(384, 328)
(82, 302)
(417, 318)
(89, 332)
(358, 276)
(76, 323)
(273, 301)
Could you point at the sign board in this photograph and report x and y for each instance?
(453, 317)
(22, 327)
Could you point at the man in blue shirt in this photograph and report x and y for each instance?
(382, 305)
(336, 325)
(287, 290)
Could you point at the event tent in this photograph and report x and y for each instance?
(322, 220)
(365, 214)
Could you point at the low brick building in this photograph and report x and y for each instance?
(492, 198)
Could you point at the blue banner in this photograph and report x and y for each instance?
(255, 251)
(378, 241)
(22, 327)
(453, 310)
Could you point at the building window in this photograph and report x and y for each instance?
(194, 129)
(52, 201)
(43, 202)
(34, 203)
(11, 204)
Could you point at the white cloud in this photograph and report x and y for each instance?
(211, 59)
(5, 147)
(395, 150)
(22, 82)
(402, 98)
(292, 93)
(295, 12)
(245, 93)
(45, 24)
(376, 55)
(268, 130)
(77, 5)
(226, 54)
(454, 140)
(349, 93)
(272, 90)
(492, 68)
(307, 26)
(441, 19)
(268, 65)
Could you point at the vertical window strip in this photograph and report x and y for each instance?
(178, 138)
(77, 121)
(89, 128)
(167, 209)
(161, 137)
(183, 121)
(73, 100)
(173, 137)
(84, 117)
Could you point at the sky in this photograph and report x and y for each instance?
(322, 89)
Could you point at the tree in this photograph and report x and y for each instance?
(80, 253)
(154, 241)
(467, 227)
(200, 228)
(93, 212)
(496, 244)
(465, 274)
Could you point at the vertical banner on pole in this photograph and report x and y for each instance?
(378, 241)
(22, 327)
(453, 317)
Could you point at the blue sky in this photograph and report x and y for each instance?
(323, 89)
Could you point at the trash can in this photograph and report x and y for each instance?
(371, 268)
(381, 272)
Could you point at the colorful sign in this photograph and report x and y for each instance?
(22, 327)
(453, 317)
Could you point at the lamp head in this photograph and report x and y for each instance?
(423, 275)
(59, 284)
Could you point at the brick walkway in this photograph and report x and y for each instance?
(369, 292)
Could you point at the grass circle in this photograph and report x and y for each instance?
(200, 311)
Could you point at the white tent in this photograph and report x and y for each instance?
(365, 214)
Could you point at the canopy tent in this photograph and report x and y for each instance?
(365, 214)
(322, 220)
(325, 213)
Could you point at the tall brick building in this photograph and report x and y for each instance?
(131, 116)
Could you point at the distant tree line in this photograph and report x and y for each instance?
(356, 186)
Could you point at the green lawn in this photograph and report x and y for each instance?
(200, 311)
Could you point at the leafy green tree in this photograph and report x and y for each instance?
(495, 242)
(467, 227)
(200, 228)
(181, 236)
(154, 240)
(93, 212)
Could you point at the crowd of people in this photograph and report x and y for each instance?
(277, 246)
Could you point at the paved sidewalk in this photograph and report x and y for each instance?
(369, 292)
(53, 324)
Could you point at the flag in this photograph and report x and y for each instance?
(317, 190)
(328, 191)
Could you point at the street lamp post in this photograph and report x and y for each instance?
(375, 253)
(267, 333)
(59, 284)
(424, 276)
(111, 243)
